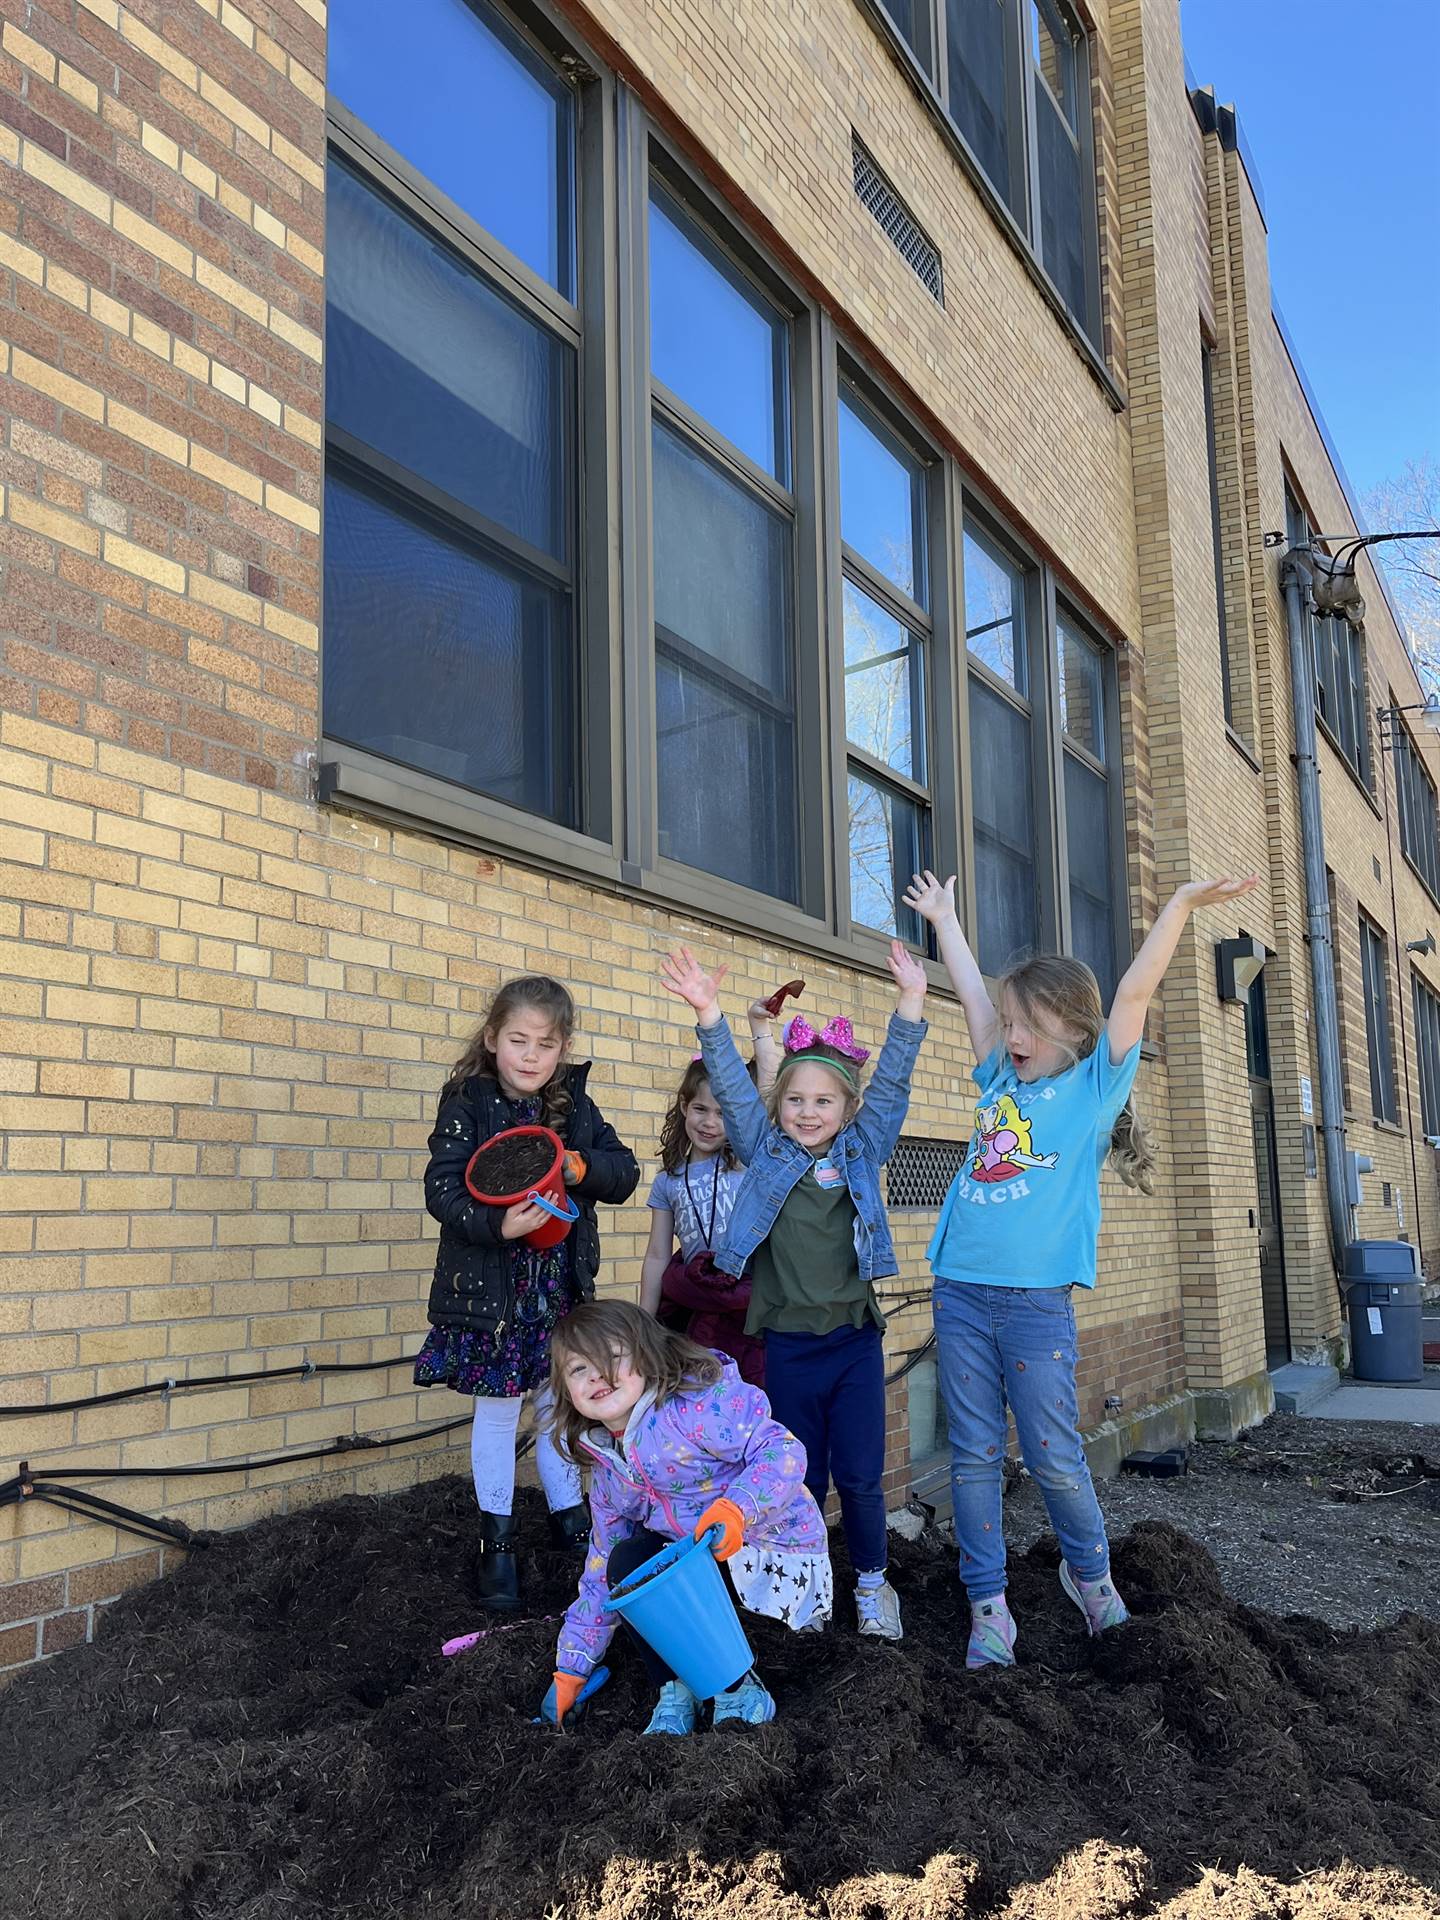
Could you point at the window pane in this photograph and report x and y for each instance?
(1003, 808)
(976, 57)
(440, 655)
(509, 165)
(887, 846)
(1082, 690)
(883, 669)
(430, 366)
(724, 673)
(1052, 47)
(1377, 1023)
(882, 501)
(1064, 240)
(715, 340)
(904, 14)
(995, 611)
(1087, 828)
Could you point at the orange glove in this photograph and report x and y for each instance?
(573, 1168)
(726, 1515)
(567, 1692)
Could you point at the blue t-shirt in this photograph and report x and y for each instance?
(1024, 1210)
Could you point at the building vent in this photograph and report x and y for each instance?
(920, 1172)
(902, 229)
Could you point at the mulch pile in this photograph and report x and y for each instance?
(271, 1734)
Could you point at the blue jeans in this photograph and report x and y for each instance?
(1015, 1347)
(829, 1390)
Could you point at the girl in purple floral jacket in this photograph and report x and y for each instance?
(678, 1443)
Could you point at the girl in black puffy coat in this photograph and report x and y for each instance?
(495, 1300)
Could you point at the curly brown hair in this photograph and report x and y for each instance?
(543, 995)
(604, 1331)
(674, 1141)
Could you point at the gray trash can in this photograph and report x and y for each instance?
(1382, 1293)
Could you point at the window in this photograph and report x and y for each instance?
(723, 516)
(1339, 656)
(1084, 730)
(1377, 1022)
(1427, 1048)
(1340, 688)
(451, 405)
(1014, 77)
(1002, 778)
(1415, 794)
(1207, 379)
(886, 589)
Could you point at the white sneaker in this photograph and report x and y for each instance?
(879, 1611)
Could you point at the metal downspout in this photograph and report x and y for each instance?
(1295, 578)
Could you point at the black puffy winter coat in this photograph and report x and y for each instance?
(473, 1289)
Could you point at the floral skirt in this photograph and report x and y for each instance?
(518, 1360)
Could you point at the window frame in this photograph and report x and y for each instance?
(1037, 602)
(1379, 1024)
(1299, 531)
(1208, 354)
(926, 60)
(617, 149)
(1416, 794)
(390, 788)
(1111, 768)
(844, 563)
(1426, 1004)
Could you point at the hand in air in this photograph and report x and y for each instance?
(932, 899)
(908, 974)
(1214, 893)
(684, 976)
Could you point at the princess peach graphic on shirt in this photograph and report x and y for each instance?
(1003, 1145)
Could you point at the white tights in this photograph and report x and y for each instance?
(492, 1454)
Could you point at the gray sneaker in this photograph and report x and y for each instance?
(878, 1609)
(749, 1700)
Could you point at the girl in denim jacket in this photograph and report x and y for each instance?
(810, 1226)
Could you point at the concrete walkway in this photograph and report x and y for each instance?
(1419, 1405)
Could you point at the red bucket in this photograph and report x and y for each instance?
(547, 1191)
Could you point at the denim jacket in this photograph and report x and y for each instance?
(775, 1162)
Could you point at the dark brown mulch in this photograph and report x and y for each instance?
(510, 1164)
(271, 1734)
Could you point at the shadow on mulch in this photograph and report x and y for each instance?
(271, 1734)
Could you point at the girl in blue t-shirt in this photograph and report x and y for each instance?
(1018, 1232)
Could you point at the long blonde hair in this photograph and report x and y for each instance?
(601, 1329)
(1052, 994)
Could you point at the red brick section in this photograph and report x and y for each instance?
(66, 1607)
(160, 226)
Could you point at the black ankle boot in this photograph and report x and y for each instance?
(497, 1583)
(570, 1527)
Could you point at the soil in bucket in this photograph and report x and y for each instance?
(511, 1163)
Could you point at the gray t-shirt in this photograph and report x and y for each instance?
(701, 1197)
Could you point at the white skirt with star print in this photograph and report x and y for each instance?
(794, 1588)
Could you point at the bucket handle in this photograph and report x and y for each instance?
(569, 1212)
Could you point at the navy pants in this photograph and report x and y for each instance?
(829, 1390)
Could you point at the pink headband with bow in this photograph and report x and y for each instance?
(801, 1037)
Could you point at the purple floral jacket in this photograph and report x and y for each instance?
(671, 1463)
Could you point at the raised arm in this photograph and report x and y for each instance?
(934, 901)
(745, 1117)
(882, 1111)
(1136, 990)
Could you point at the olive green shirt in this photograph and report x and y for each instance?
(805, 1277)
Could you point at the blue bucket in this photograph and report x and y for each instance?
(678, 1602)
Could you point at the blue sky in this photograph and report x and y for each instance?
(1339, 103)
